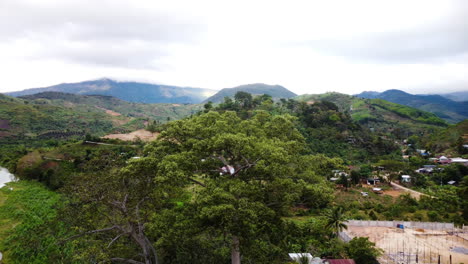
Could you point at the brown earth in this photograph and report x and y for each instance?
(109, 112)
(427, 244)
(142, 134)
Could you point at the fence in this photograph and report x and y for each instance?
(406, 224)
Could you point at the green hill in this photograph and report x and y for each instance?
(92, 103)
(275, 91)
(381, 115)
(449, 141)
(20, 118)
(48, 119)
(444, 108)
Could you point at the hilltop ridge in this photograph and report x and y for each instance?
(128, 91)
(275, 91)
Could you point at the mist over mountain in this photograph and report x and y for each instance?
(128, 91)
(275, 91)
(441, 106)
(457, 96)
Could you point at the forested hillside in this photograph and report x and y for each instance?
(380, 115)
(160, 112)
(443, 107)
(27, 118)
(448, 141)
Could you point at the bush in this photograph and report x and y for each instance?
(363, 251)
(433, 216)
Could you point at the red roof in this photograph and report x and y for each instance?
(341, 261)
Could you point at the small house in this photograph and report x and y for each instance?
(372, 181)
(405, 178)
(339, 173)
(443, 160)
(459, 161)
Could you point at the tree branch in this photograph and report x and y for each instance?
(137, 212)
(90, 232)
(115, 239)
(197, 182)
(131, 261)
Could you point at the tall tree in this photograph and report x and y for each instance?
(248, 173)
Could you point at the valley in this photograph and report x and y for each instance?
(109, 180)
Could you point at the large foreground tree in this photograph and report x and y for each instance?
(246, 173)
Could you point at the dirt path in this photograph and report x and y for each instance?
(413, 193)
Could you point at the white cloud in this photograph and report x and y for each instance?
(306, 46)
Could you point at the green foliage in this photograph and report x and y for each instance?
(448, 140)
(381, 116)
(335, 220)
(250, 172)
(363, 251)
(31, 210)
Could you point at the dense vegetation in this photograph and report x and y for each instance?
(449, 141)
(246, 180)
(393, 119)
(445, 108)
(50, 119)
(98, 103)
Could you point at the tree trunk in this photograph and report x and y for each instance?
(235, 251)
(149, 253)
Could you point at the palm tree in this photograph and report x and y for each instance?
(335, 220)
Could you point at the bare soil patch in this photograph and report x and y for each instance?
(405, 244)
(109, 112)
(142, 134)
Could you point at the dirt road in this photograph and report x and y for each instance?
(413, 193)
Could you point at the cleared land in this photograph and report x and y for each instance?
(142, 134)
(411, 245)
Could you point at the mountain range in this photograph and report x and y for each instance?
(457, 96)
(128, 91)
(441, 106)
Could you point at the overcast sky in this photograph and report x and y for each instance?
(306, 46)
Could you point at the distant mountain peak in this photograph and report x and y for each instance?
(275, 91)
